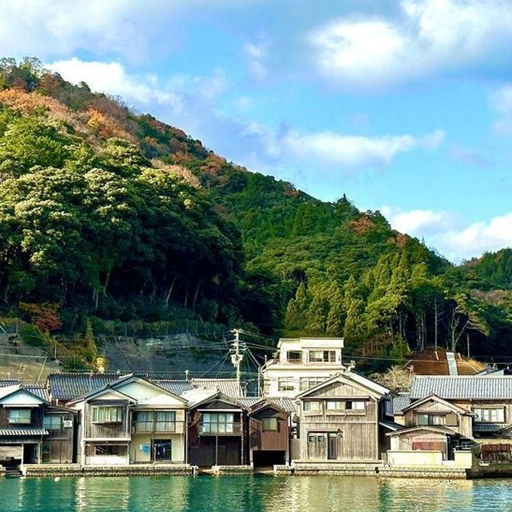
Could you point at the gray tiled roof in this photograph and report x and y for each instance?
(68, 386)
(39, 391)
(459, 388)
(400, 402)
(286, 404)
(9, 382)
(228, 387)
(178, 387)
(249, 401)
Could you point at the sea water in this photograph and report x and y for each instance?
(253, 494)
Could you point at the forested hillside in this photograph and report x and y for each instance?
(109, 214)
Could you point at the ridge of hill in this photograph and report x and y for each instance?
(110, 214)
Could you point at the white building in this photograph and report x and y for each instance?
(300, 364)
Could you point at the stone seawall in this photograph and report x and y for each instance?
(229, 470)
(375, 470)
(74, 470)
(424, 472)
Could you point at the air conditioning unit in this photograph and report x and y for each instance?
(68, 423)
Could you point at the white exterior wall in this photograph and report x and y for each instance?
(281, 367)
(139, 455)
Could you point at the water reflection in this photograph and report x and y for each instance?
(253, 494)
(326, 494)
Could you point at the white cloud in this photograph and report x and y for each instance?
(54, 26)
(501, 101)
(469, 156)
(257, 55)
(112, 78)
(181, 100)
(357, 151)
(429, 36)
(450, 235)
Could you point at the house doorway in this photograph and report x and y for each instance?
(30, 453)
(162, 450)
(332, 445)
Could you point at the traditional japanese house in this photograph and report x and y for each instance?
(131, 421)
(32, 431)
(65, 387)
(434, 425)
(217, 432)
(448, 413)
(268, 434)
(342, 419)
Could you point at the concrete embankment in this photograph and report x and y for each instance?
(74, 470)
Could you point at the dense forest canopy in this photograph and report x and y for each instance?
(109, 213)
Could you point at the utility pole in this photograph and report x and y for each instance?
(237, 358)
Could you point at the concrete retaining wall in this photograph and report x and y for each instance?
(231, 470)
(73, 470)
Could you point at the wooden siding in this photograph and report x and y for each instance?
(105, 430)
(346, 434)
(36, 418)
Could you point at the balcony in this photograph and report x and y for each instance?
(220, 429)
(154, 427)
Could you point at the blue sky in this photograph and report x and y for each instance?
(404, 106)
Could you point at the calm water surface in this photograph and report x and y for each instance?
(253, 494)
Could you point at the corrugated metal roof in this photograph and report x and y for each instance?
(20, 432)
(462, 387)
(400, 402)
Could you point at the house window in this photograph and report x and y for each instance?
(345, 405)
(489, 415)
(269, 424)
(52, 422)
(309, 382)
(312, 406)
(294, 356)
(322, 356)
(286, 384)
(92, 450)
(20, 416)
(431, 419)
(165, 421)
(218, 423)
(106, 414)
(335, 405)
(355, 405)
(160, 421)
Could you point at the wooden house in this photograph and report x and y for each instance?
(447, 413)
(32, 431)
(217, 429)
(131, 421)
(433, 424)
(341, 420)
(269, 432)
